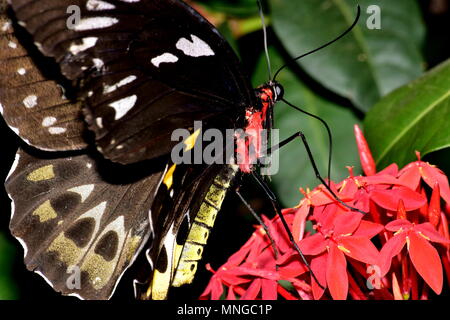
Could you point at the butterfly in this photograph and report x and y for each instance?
(121, 75)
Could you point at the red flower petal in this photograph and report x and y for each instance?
(337, 278)
(346, 223)
(434, 209)
(291, 266)
(231, 295)
(325, 215)
(381, 179)
(390, 249)
(365, 156)
(298, 226)
(359, 248)
(391, 170)
(313, 245)
(410, 176)
(269, 289)
(214, 290)
(368, 229)
(432, 175)
(430, 232)
(398, 224)
(253, 290)
(427, 262)
(388, 199)
(319, 267)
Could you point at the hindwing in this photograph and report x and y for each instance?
(70, 218)
(184, 213)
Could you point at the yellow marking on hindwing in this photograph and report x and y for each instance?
(131, 246)
(159, 287)
(168, 178)
(199, 233)
(191, 140)
(45, 212)
(68, 251)
(43, 173)
(98, 269)
(158, 290)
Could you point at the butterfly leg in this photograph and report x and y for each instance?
(300, 134)
(261, 222)
(277, 208)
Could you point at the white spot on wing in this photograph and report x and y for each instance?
(84, 191)
(122, 106)
(21, 71)
(95, 23)
(97, 5)
(6, 26)
(1, 109)
(48, 121)
(164, 58)
(56, 130)
(98, 63)
(195, 48)
(124, 81)
(86, 44)
(99, 122)
(12, 45)
(30, 101)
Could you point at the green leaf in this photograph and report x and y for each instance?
(295, 168)
(365, 64)
(8, 290)
(414, 117)
(237, 8)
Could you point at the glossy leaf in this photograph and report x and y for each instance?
(367, 63)
(413, 117)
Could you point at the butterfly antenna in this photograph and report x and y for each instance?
(326, 44)
(266, 50)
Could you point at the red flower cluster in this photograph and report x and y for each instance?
(395, 251)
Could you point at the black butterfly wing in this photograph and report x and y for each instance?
(192, 201)
(79, 229)
(32, 98)
(145, 67)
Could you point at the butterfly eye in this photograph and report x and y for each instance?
(279, 92)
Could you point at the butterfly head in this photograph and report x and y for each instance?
(270, 93)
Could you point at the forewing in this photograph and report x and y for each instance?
(32, 96)
(79, 229)
(146, 67)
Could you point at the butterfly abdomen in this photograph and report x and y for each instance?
(203, 223)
